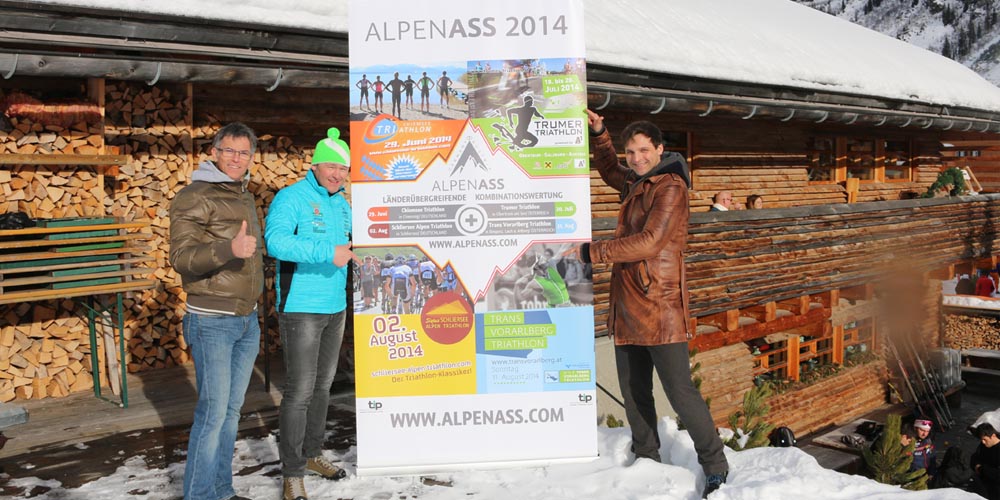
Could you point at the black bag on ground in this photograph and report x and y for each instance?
(15, 220)
(870, 430)
(782, 437)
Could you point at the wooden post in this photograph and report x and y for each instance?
(95, 92)
(188, 139)
(793, 357)
(852, 187)
(838, 344)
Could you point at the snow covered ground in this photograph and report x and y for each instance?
(762, 473)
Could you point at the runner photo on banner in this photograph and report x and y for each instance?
(474, 331)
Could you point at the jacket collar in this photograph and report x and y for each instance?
(670, 163)
(209, 172)
(314, 184)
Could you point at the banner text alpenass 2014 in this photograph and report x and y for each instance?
(473, 27)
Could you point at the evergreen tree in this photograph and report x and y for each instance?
(750, 419)
(946, 49)
(947, 15)
(889, 461)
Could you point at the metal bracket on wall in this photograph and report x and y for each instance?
(156, 77)
(663, 104)
(709, 110)
(277, 81)
(607, 100)
(13, 69)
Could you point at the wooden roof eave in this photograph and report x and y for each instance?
(56, 20)
(154, 70)
(654, 93)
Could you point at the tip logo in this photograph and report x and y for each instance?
(381, 129)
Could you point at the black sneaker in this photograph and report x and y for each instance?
(713, 482)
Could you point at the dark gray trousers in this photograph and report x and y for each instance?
(635, 377)
(311, 346)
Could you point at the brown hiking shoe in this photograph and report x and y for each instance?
(294, 489)
(320, 465)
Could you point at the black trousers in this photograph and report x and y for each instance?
(635, 377)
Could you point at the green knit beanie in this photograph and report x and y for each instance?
(332, 149)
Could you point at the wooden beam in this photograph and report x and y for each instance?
(726, 321)
(762, 313)
(798, 305)
(59, 159)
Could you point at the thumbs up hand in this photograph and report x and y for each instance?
(244, 245)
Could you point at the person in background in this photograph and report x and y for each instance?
(986, 462)
(965, 286)
(954, 471)
(309, 232)
(648, 317)
(755, 202)
(984, 285)
(723, 202)
(369, 281)
(215, 247)
(924, 456)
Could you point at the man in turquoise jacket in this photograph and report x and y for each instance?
(308, 230)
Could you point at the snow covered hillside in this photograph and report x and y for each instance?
(964, 30)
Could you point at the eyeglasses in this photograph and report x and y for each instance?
(230, 152)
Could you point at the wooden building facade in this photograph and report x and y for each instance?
(784, 293)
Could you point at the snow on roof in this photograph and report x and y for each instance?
(771, 42)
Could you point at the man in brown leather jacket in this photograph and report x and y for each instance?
(649, 297)
(215, 248)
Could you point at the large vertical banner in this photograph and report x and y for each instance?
(473, 328)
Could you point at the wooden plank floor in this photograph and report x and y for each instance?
(162, 398)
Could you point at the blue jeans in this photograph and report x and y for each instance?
(311, 347)
(224, 349)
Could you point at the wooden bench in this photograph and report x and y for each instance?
(79, 258)
(983, 360)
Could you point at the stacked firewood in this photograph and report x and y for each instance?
(52, 191)
(971, 332)
(42, 354)
(44, 346)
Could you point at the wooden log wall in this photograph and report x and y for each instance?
(741, 259)
(770, 159)
(166, 130)
(738, 259)
(981, 155)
